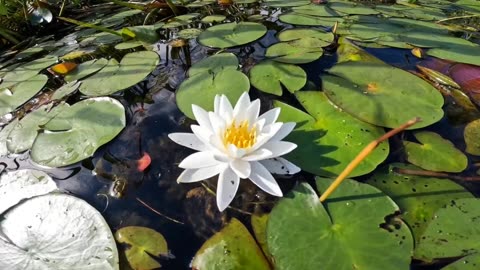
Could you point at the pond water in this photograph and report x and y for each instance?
(187, 214)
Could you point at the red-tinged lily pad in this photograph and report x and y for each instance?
(143, 244)
(435, 153)
(418, 197)
(382, 95)
(231, 248)
(341, 233)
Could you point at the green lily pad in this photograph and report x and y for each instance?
(128, 45)
(143, 243)
(435, 153)
(418, 197)
(114, 77)
(351, 8)
(200, 3)
(286, 3)
(310, 37)
(202, 88)
(328, 139)
(471, 135)
(269, 76)
(120, 16)
(101, 38)
(144, 33)
(341, 233)
(316, 10)
(462, 54)
(231, 248)
(259, 226)
(213, 18)
(294, 52)
(214, 64)
(181, 20)
(12, 98)
(66, 90)
(85, 69)
(382, 95)
(29, 52)
(470, 262)
(4, 135)
(231, 34)
(77, 131)
(21, 138)
(453, 231)
(189, 33)
(303, 19)
(26, 71)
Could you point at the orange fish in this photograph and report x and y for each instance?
(64, 68)
(144, 162)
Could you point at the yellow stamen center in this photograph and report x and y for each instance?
(240, 135)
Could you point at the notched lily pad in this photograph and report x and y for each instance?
(269, 76)
(434, 153)
(231, 248)
(14, 96)
(294, 52)
(143, 244)
(231, 34)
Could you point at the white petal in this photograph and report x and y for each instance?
(279, 148)
(252, 112)
(242, 104)
(218, 123)
(235, 152)
(188, 140)
(227, 187)
(258, 155)
(226, 110)
(241, 168)
(198, 160)
(201, 116)
(202, 134)
(265, 136)
(216, 103)
(270, 116)
(284, 131)
(261, 177)
(280, 166)
(195, 175)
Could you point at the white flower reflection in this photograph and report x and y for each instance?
(236, 143)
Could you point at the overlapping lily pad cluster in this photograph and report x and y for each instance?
(325, 117)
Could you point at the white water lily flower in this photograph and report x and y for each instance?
(236, 143)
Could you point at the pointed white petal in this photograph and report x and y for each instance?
(235, 152)
(284, 131)
(188, 140)
(218, 123)
(201, 116)
(265, 136)
(252, 112)
(227, 187)
(279, 148)
(270, 116)
(198, 160)
(226, 110)
(261, 177)
(258, 155)
(216, 103)
(280, 166)
(195, 175)
(241, 168)
(242, 104)
(202, 134)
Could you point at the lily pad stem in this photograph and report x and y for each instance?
(363, 154)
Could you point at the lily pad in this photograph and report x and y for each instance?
(101, 38)
(298, 51)
(231, 248)
(128, 45)
(26, 71)
(231, 34)
(114, 77)
(181, 20)
(86, 68)
(259, 226)
(214, 64)
(12, 98)
(3, 136)
(213, 18)
(316, 10)
(310, 37)
(77, 131)
(269, 76)
(143, 33)
(56, 231)
(453, 231)
(470, 262)
(435, 153)
(337, 234)
(471, 134)
(328, 139)
(143, 243)
(462, 54)
(418, 197)
(189, 33)
(286, 3)
(351, 8)
(16, 186)
(66, 90)
(382, 95)
(303, 19)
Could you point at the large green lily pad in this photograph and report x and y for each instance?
(328, 139)
(462, 54)
(344, 232)
(231, 248)
(310, 37)
(26, 71)
(231, 34)
(77, 131)
(143, 243)
(453, 231)
(304, 19)
(471, 134)
(269, 76)
(214, 75)
(434, 153)
(298, 51)
(382, 95)
(85, 69)
(115, 76)
(418, 197)
(13, 97)
(470, 262)
(66, 90)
